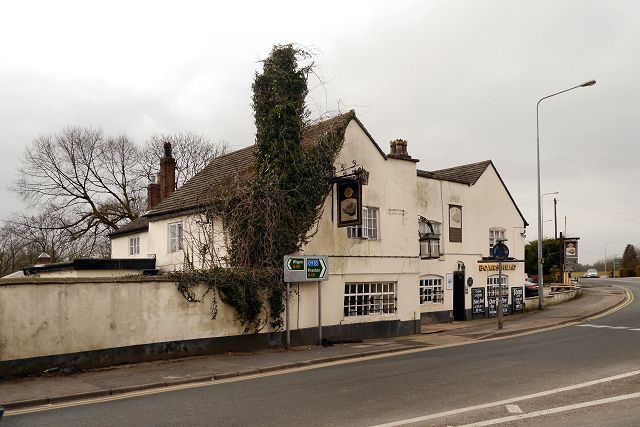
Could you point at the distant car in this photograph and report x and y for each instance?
(591, 273)
(530, 289)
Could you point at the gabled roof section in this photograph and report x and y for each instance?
(222, 170)
(469, 175)
(203, 185)
(465, 174)
(135, 226)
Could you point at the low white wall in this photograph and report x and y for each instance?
(42, 317)
(51, 316)
(533, 303)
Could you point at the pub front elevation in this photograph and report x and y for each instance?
(405, 246)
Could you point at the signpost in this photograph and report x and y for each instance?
(307, 268)
(500, 252)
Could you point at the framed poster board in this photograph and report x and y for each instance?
(477, 302)
(493, 305)
(517, 298)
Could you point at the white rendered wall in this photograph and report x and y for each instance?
(120, 245)
(43, 317)
(485, 204)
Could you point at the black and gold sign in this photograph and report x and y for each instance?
(349, 195)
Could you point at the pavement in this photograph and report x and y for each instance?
(55, 388)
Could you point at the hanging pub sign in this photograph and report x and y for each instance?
(349, 195)
(570, 251)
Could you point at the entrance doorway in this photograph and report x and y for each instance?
(459, 311)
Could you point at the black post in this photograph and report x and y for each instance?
(555, 216)
(562, 257)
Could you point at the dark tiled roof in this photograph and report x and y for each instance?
(465, 174)
(469, 174)
(222, 170)
(203, 185)
(138, 224)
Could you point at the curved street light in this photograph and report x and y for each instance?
(540, 273)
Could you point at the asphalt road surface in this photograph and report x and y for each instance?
(587, 374)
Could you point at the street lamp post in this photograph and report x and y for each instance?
(540, 273)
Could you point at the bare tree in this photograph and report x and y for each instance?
(14, 253)
(86, 181)
(191, 151)
(84, 185)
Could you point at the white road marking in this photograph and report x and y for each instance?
(514, 409)
(507, 401)
(606, 327)
(554, 410)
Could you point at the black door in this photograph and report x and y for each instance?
(459, 312)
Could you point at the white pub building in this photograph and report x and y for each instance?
(417, 256)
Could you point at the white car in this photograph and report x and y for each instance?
(591, 273)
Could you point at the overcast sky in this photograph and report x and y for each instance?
(458, 79)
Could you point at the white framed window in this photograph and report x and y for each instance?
(175, 237)
(429, 233)
(370, 228)
(362, 299)
(495, 234)
(431, 290)
(492, 285)
(134, 245)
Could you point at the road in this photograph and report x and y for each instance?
(586, 374)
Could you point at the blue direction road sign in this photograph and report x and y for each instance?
(309, 268)
(316, 268)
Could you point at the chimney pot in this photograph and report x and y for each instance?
(399, 150)
(43, 258)
(167, 173)
(394, 148)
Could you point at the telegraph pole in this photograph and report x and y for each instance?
(555, 217)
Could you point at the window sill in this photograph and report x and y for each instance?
(369, 318)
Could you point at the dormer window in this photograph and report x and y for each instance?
(429, 233)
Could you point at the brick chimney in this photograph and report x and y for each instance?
(153, 192)
(167, 172)
(399, 150)
(164, 183)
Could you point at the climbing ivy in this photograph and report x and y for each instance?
(273, 210)
(243, 288)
